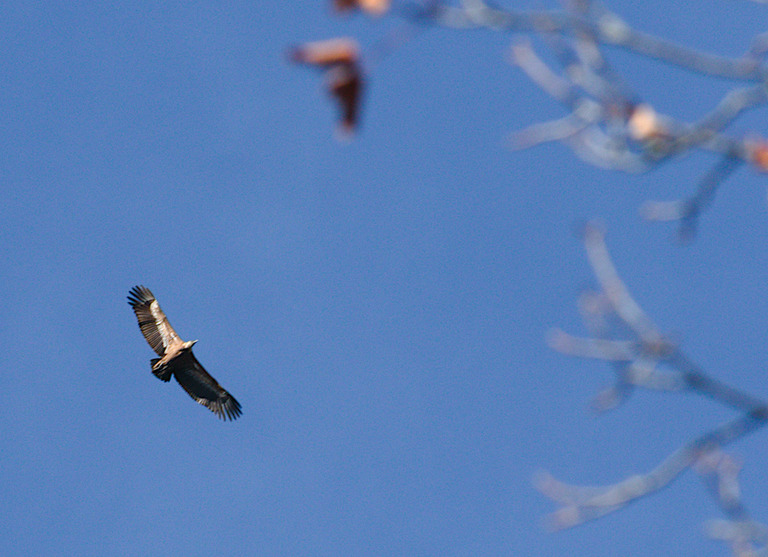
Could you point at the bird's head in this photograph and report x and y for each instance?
(189, 344)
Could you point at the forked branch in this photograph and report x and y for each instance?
(647, 359)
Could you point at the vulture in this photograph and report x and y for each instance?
(176, 357)
(339, 58)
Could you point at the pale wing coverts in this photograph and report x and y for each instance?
(153, 323)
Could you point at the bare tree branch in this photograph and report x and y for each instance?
(651, 361)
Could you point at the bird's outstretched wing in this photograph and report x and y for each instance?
(329, 52)
(152, 321)
(203, 388)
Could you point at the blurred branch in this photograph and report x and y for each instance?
(607, 28)
(579, 504)
(649, 360)
(687, 211)
(608, 125)
(720, 473)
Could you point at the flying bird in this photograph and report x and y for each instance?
(339, 58)
(374, 7)
(176, 357)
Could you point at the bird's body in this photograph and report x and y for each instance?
(176, 357)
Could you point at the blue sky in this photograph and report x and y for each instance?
(379, 308)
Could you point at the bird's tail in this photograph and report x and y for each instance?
(163, 373)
